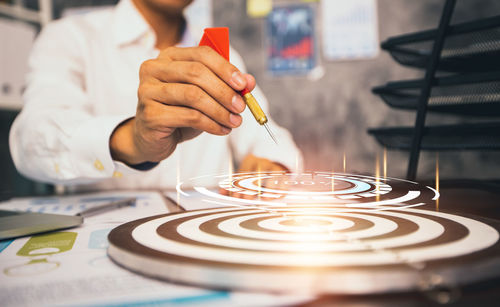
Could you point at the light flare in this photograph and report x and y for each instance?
(333, 181)
(230, 167)
(437, 180)
(385, 162)
(259, 181)
(343, 162)
(377, 178)
(178, 178)
(230, 170)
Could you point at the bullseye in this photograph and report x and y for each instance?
(305, 224)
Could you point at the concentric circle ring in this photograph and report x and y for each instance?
(214, 248)
(259, 247)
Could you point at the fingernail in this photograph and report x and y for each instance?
(226, 130)
(235, 119)
(238, 103)
(238, 79)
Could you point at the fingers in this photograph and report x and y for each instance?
(198, 74)
(164, 118)
(249, 164)
(211, 59)
(250, 81)
(193, 89)
(252, 163)
(277, 167)
(226, 71)
(179, 94)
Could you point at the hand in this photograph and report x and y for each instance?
(183, 92)
(252, 163)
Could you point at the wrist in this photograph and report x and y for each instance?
(122, 145)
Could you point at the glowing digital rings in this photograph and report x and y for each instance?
(305, 248)
(327, 189)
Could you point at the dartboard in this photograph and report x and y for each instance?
(314, 188)
(315, 241)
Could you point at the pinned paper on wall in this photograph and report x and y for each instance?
(148, 203)
(259, 8)
(291, 40)
(350, 29)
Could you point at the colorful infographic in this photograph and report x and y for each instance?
(39, 249)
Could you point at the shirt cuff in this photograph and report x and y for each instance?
(91, 154)
(146, 166)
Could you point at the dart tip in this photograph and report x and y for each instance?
(270, 133)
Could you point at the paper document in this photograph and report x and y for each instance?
(350, 29)
(71, 267)
(147, 204)
(194, 201)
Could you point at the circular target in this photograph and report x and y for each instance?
(321, 250)
(314, 188)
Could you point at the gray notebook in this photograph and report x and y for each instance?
(17, 224)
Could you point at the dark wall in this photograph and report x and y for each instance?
(330, 116)
(11, 182)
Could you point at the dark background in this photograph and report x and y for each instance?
(330, 116)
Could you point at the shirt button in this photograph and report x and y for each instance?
(98, 165)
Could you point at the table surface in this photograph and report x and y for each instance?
(466, 197)
(456, 197)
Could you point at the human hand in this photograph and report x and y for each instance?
(183, 92)
(253, 163)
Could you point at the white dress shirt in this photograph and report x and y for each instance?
(82, 82)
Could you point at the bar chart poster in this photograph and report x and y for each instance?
(291, 39)
(350, 29)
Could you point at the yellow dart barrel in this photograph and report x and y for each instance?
(254, 107)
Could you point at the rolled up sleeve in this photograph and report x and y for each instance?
(56, 138)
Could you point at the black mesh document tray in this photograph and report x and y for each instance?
(473, 94)
(468, 47)
(450, 137)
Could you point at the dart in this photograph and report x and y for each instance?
(218, 40)
(257, 112)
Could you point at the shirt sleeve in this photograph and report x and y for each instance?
(252, 138)
(56, 138)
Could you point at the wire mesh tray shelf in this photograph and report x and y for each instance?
(477, 136)
(473, 94)
(468, 47)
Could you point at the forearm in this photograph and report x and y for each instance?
(63, 146)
